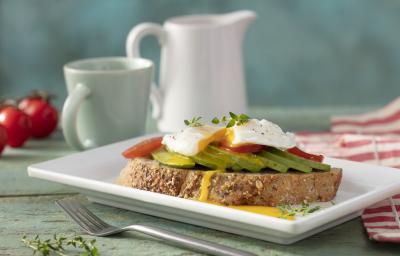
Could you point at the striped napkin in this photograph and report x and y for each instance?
(371, 138)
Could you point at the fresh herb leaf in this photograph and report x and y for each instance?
(243, 119)
(56, 245)
(316, 208)
(194, 122)
(231, 123)
(237, 119)
(304, 209)
(215, 120)
(233, 115)
(233, 120)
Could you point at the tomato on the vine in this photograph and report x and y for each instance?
(44, 116)
(3, 138)
(18, 125)
(245, 148)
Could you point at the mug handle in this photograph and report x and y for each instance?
(133, 50)
(70, 114)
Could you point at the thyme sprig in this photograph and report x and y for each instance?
(58, 243)
(194, 122)
(304, 209)
(233, 119)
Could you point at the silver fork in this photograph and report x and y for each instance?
(96, 227)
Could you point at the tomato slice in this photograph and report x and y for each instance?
(298, 152)
(244, 148)
(144, 148)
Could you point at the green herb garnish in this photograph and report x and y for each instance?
(304, 209)
(194, 122)
(58, 243)
(234, 119)
(215, 120)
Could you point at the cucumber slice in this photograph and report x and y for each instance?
(286, 161)
(297, 159)
(172, 159)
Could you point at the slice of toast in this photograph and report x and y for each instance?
(267, 188)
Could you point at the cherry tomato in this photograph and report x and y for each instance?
(3, 138)
(244, 148)
(44, 116)
(298, 152)
(18, 125)
(144, 148)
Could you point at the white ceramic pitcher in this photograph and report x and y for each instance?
(201, 70)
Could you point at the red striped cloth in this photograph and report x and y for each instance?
(382, 121)
(371, 138)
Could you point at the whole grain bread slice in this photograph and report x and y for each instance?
(241, 188)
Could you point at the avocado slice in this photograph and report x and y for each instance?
(274, 164)
(300, 160)
(249, 162)
(207, 160)
(212, 152)
(286, 161)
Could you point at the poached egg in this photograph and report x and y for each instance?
(193, 140)
(262, 132)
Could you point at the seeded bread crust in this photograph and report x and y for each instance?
(267, 188)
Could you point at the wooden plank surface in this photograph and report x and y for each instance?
(39, 215)
(14, 162)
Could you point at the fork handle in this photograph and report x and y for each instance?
(189, 242)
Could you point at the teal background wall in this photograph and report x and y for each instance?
(297, 53)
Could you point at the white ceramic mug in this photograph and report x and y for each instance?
(201, 71)
(107, 100)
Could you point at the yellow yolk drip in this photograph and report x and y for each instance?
(230, 135)
(215, 137)
(264, 210)
(205, 184)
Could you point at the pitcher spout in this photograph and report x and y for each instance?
(240, 20)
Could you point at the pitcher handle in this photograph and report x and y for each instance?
(133, 50)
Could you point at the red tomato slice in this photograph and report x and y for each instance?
(244, 148)
(144, 148)
(298, 152)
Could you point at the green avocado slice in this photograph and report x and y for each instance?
(300, 160)
(286, 161)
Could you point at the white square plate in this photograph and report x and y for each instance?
(93, 173)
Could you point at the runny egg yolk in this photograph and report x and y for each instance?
(218, 136)
(229, 135)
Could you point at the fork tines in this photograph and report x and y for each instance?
(82, 216)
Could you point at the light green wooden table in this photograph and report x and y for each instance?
(27, 207)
